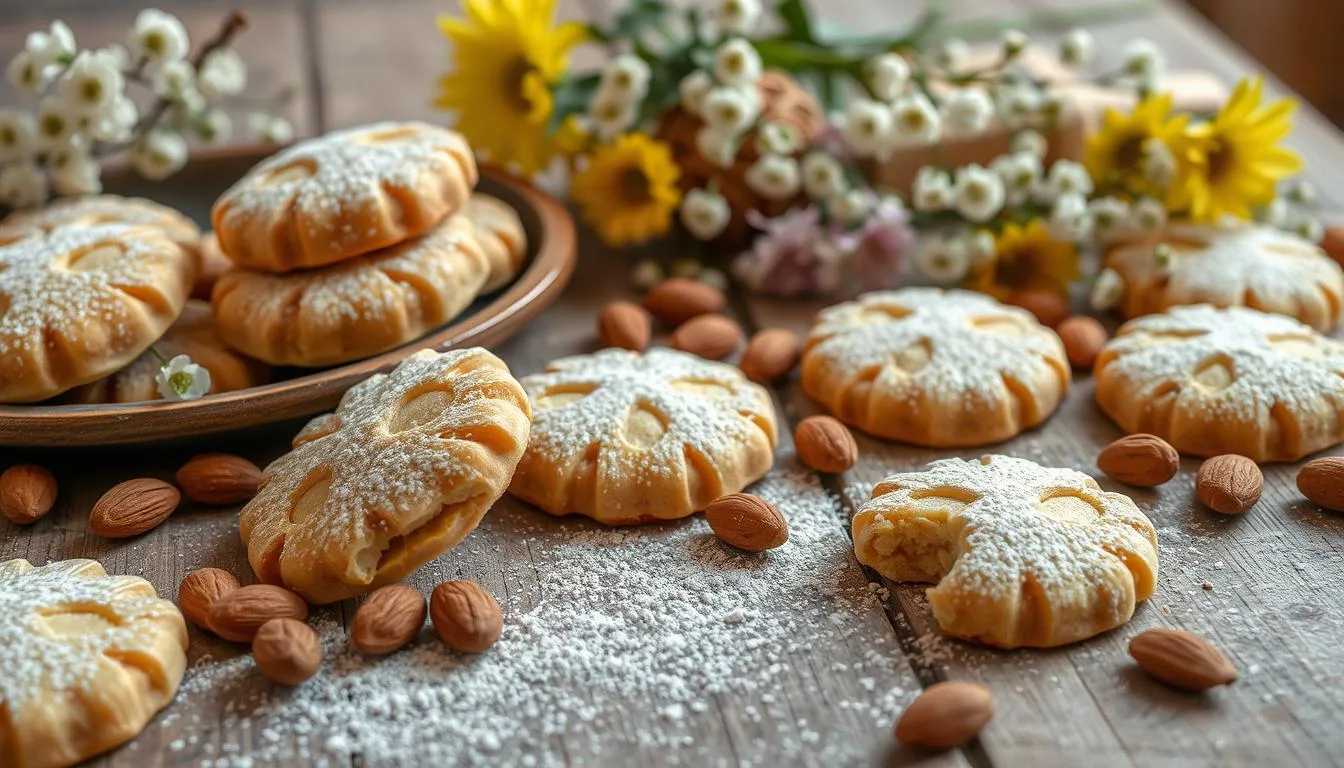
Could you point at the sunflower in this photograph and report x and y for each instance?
(1114, 153)
(629, 189)
(506, 56)
(1233, 162)
(1025, 259)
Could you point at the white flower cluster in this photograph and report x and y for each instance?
(1291, 211)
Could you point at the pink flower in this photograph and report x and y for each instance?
(878, 248)
(790, 257)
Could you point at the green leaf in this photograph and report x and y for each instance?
(571, 96)
(793, 56)
(797, 24)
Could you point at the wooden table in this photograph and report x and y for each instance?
(834, 652)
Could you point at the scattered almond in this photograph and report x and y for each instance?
(27, 493)
(466, 617)
(1083, 339)
(747, 522)
(712, 337)
(678, 299)
(946, 715)
(200, 589)
(133, 507)
(1049, 307)
(824, 444)
(624, 325)
(238, 615)
(1143, 460)
(388, 619)
(218, 479)
(1229, 484)
(1181, 659)
(1332, 242)
(770, 355)
(287, 651)
(1322, 482)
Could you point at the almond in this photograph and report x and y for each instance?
(1142, 460)
(218, 479)
(625, 325)
(1049, 307)
(712, 337)
(388, 619)
(747, 522)
(1083, 339)
(238, 615)
(1229, 484)
(678, 299)
(945, 715)
(1181, 659)
(824, 444)
(133, 507)
(1322, 482)
(200, 589)
(27, 493)
(287, 651)
(1332, 242)
(465, 616)
(770, 355)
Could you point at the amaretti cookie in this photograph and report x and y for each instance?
(88, 660)
(1020, 554)
(355, 309)
(403, 470)
(627, 438)
(92, 210)
(501, 235)
(1212, 381)
(1234, 265)
(344, 194)
(79, 303)
(933, 367)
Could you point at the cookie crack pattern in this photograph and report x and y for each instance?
(932, 367)
(1020, 554)
(94, 210)
(373, 491)
(627, 438)
(1234, 380)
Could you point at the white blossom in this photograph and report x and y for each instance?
(1070, 219)
(73, 171)
(611, 114)
(181, 379)
(1276, 213)
(823, 176)
(55, 123)
(718, 147)
(646, 274)
(18, 134)
(1156, 163)
(866, 127)
(888, 75)
(978, 193)
(914, 118)
(23, 185)
(1107, 290)
(53, 46)
(1076, 48)
(1014, 43)
(213, 126)
(92, 81)
(1068, 177)
(1020, 172)
(968, 110)
(774, 177)
(1030, 142)
(1018, 104)
(728, 110)
(1302, 192)
(705, 214)
(270, 128)
(175, 80)
(736, 62)
(1143, 60)
(159, 154)
(1052, 105)
(1307, 227)
(737, 17)
(980, 246)
(626, 77)
(932, 191)
(1108, 213)
(26, 74)
(951, 53)
(777, 138)
(157, 37)
(849, 207)
(1164, 258)
(1148, 214)
(223, 73)
(692, 89)
(943, 261)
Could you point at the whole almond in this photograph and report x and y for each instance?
(133, 507)
(218, 479)
(1229, 484)
(624, 325)
(712, 337)
(287, 651)
(27, 493)
(1181, 659)
(1142, 460)
(1049, 307)
(770, 355)
(1322, 482)
(200, 589)
(678, 299)
(388, 619)
(238, 615)
(946, 715)
(1083, 339)
(1332, 242)
(466, 617)
(824, 444)
(747, 522)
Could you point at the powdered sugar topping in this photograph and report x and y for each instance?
(102, 209)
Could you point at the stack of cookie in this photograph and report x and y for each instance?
(357, 242)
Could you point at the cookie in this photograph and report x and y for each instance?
(355, 309)
(88, 659)
(501, 235)
(936, 368)
(626, 438)
(402, 471)
(213, 263)
(1020, 554)
(1236, 265)
(1213, 381)
(193, 335)
(344, 194)
(80, 303)
(103, 209)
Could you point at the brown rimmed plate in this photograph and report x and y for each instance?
(295, 393)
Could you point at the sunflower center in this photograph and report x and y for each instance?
(515, 77)
(634, 187)
(1129, 152)
(1014, 267)
(1220, 160)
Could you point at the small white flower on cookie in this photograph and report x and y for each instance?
(705, 214)
(181, 379)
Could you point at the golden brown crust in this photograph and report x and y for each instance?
(92, 210)
(501, 235)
